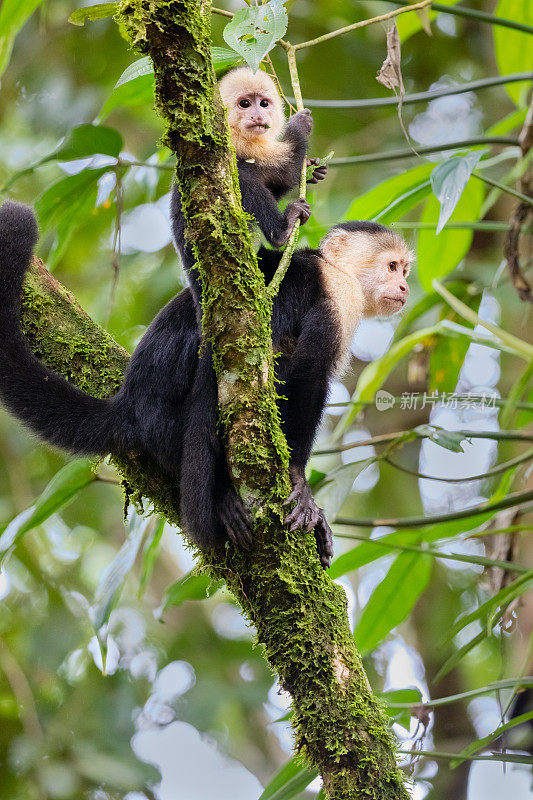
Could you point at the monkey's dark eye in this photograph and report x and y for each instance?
(264, 103)
(393, 265)
(244, 103)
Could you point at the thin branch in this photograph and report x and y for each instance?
(420, 97)
(503, 188)
(522, 213)
(383, 438)
(283, 265)
(482, 561)
(497, 470)
(480, 16)
(431, 148)
(511, 501)
(363, 24)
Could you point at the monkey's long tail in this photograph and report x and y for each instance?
(55, 410)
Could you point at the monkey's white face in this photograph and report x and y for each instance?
(253, 113)
(379, 263)
(390, 288)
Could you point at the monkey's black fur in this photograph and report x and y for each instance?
(167, 405)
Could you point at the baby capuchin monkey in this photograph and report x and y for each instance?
(270, 156)
(167, 406)
(270, 152)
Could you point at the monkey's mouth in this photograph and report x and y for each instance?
(258, 128)
(398, 300)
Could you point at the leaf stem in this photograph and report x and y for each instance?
(522, 348)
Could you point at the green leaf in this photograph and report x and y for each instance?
(224, 59)
(143, 66)
(83, 141)
(404, 697)
(289, 782)
(450, 440)
(481, 744)
(338, 486)
(151, 550)
(13, 15)
(440, 255)
(63, 487)
(409, 24)
(66, 204)
(114, 576)
(254, 31)
(486, 610)
(192, 586)
(91, 13)
(391, 199)
(373, 549)
(393, 599)
(448, 181)
(513, 48)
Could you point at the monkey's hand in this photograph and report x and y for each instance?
(235, 519)
(306, 514)
(319, 173)
(302, 122)
(301, 210)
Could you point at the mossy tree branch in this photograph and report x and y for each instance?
(299, 613)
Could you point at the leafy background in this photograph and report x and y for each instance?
(114, 659)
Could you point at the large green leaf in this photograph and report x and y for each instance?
(392, 198)
(192, 586)
(289, 782)
(91, 13)
(338, 485)
(448, 181)
(83, 141)
(439, 255)
(514, 50)
(393, 599)
(254, 31)
(13, 15)
(63, 487)
(66, 204)
(136, 84)
(114, 576)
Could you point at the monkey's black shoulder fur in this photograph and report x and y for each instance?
(166, 407)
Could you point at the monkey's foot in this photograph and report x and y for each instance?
(236, 520)
(324, 540)
(306, 514)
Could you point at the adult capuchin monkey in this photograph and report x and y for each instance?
(167, 405)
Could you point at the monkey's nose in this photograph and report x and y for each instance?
(404, 288)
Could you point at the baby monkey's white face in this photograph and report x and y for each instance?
(253, 112)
